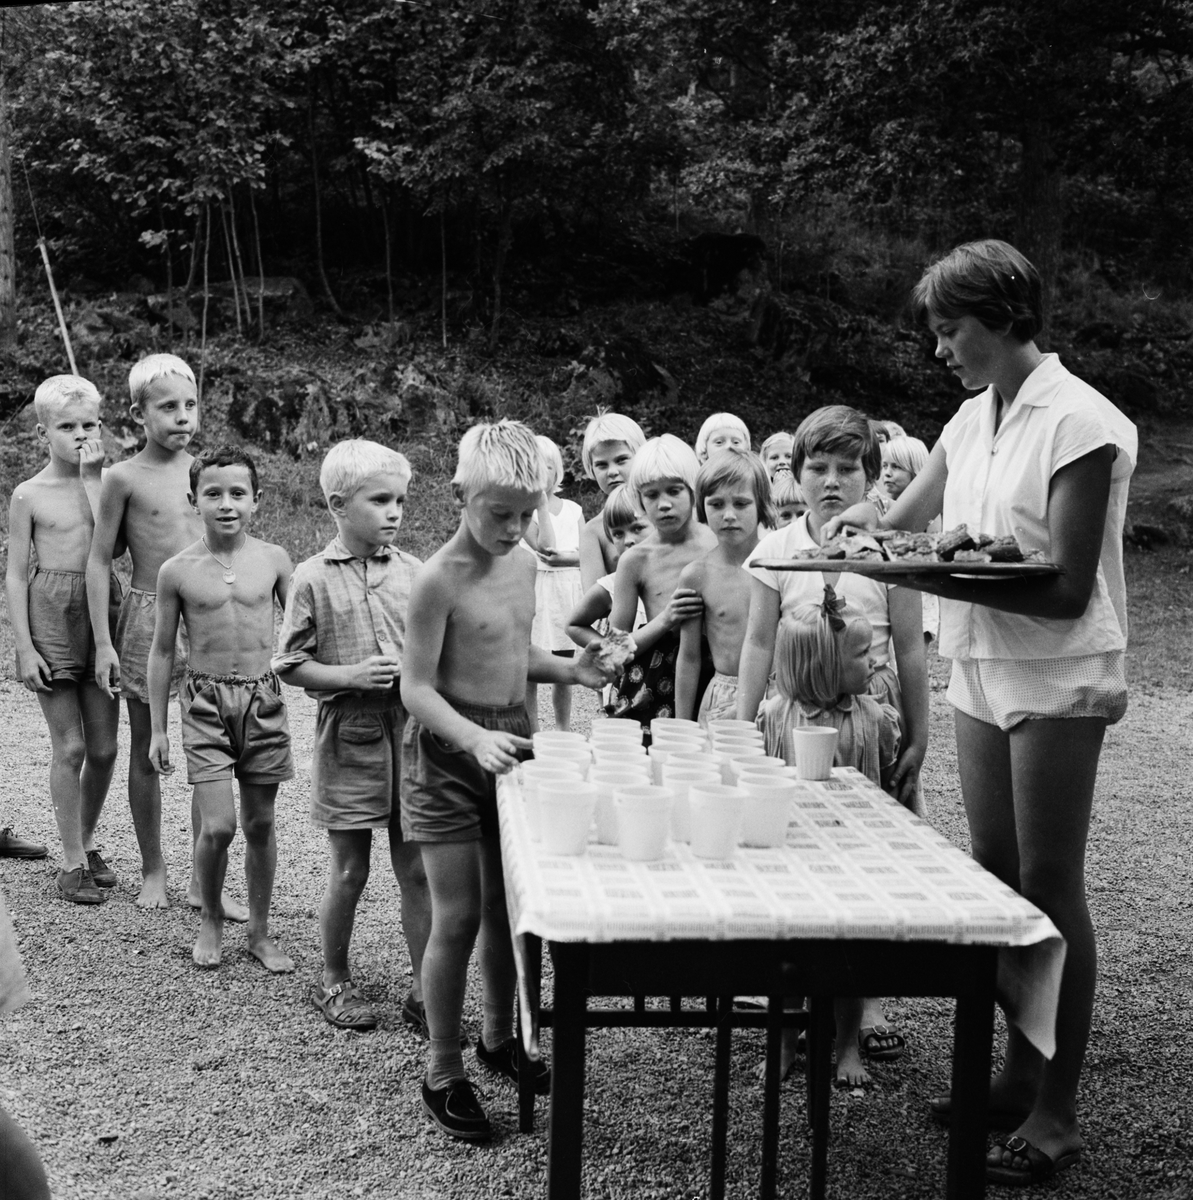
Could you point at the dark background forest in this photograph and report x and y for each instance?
(404, 214)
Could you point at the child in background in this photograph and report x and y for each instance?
(342, 640)
(775, 452)
(721, 431)
(823, 667)
(143, 504)
(732, 497)
(663, 480)
(903, 458)
(233, 716)
(786, 499)
(554, 535)
(53, 515)
(468, 659)
(625, 527)
(610, 443)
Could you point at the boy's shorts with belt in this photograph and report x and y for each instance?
(357, 763)
(234, 725)
(134, 640)
(60, 622)
(447, 796)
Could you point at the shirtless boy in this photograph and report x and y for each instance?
(663, 476)
(468, 659)
(144, 504)
(233, 717)
(54, 514)
(733, 497)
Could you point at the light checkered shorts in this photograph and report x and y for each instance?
(720, 699)
(1006, 691)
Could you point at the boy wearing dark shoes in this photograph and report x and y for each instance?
(468, 660)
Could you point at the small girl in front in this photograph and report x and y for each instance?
(663, 478)
(610, 442)
(554, 536)
(823, 667)
(732, 498)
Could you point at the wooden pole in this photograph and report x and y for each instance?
(45, 258)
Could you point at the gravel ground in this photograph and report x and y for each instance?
(138, 1076)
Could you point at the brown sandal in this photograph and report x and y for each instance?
(343, 1006)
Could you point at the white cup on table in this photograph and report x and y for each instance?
(534, 774)
(643, 820)
(768, 810)
(682, 779)
(717, 814)
(607, 780)
(815, 747)
(566, 815)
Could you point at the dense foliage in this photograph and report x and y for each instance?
(159, 133)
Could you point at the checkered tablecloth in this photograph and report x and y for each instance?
(856, 864)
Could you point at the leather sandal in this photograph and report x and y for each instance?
(880, 1043)
(343, 1006)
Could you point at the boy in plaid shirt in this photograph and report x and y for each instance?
(342, 640)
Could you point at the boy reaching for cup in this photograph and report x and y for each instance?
(233, 716)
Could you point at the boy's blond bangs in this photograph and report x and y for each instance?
(721, 420)
(58, 390)
(610, 427)
(664, 457)
(153, 367)
(500, 454)
(348, 464)
(786, 490)
(729, 467)
(774, 439)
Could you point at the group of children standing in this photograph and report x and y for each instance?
(422, 671)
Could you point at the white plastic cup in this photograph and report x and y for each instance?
(717, 814)
(671, 724)
(729, 742)
(768, 810)
(635, 761)
(581, 759)
(730, 725)
(643, 821)
(765, 774)
(681, 780)
(755, 762)
(815, 746)
(679, 741)
(531, 780)
(661, 755)
(607, 780)
(566, 816)
(558, 737)
(613, 728)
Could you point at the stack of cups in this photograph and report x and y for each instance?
(676, 725)
(566, 808)
(681, 778)
(555, 747)
(768, 809)
(613, 751)
(717, 814)
(752, 760)
(616, 732)
(815, 747)
(668, 744)
(607, 780)
(551, 776)
(643, 820)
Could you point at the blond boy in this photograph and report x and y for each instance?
(343, 639)
(610, 442)
(233, 718)
(53, 514)
(143, 505)
(468, 659)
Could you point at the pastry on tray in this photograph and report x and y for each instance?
(959, 545)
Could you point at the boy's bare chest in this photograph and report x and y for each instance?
(726, 593)
(206, 592)
(158, 509)
(495, 607)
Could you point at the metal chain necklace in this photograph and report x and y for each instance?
(229, 574)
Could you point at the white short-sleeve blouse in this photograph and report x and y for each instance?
(860, 594)
(998, 483)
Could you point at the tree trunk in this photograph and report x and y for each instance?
(505, 239)
(1040, 217)
(339, 312)
(8, 258)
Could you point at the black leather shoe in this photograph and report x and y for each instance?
(12, 846)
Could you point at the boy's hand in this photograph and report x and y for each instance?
(685, 603)
(35, 672)
(91, 457)
(107, 671)
(159, 754)
(497, 751)
(375, 674)
(595, 667)
(559, 558)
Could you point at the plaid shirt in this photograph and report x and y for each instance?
(342, 609)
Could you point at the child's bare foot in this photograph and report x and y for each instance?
(233, 909)
(207, 950)
(271, 957)
(850, 1072)
(791, 1048)
(153, 890)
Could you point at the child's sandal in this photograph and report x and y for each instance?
(343, 1006)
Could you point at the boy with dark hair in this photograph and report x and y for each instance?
(233, 718)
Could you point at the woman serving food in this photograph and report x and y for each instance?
(1041, 458)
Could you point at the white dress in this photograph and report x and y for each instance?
(557, 589)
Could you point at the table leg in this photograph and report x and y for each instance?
(770, 1098)
(533, 956)
(567, 1072)
(720, 1098)
(820, 1041)
(966, 1178)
